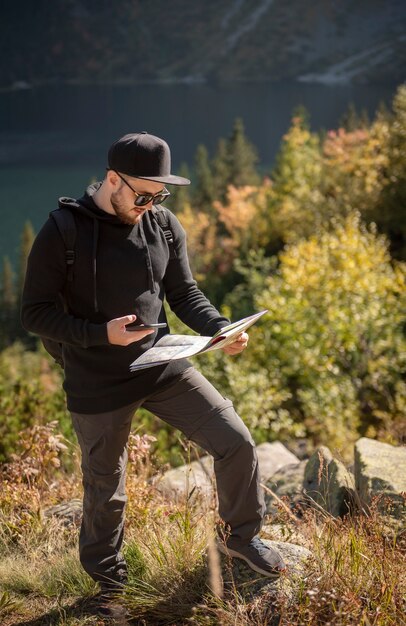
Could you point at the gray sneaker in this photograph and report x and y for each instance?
(108, 605)
(259, 556)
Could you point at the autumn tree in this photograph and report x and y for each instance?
(244, 219)
(356, 165)
(201, 241)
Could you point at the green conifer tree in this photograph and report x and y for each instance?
(221, 170)
(297, 147)
(26, 241)
(364, 119)
(301, 111)
(242, 157)
(7, 304)
(204, 192)
(180, 195)
(384, 113)
(234, 162)
(350, 121)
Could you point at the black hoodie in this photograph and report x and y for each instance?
(119, 270)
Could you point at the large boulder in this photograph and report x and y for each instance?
(380, 471)
(179, 482)
(327, 483)
(199, 475)
(272, 457)
(255, 587)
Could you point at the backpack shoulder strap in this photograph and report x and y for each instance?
(161, 216)
(67, 227)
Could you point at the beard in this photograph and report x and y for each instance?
(126, 216)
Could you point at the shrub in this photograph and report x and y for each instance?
(30, 394)
(328, 360)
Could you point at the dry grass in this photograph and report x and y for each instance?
(358, 572)
(357, 575)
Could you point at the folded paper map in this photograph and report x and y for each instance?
(171, 347)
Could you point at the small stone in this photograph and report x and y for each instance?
(69, 513)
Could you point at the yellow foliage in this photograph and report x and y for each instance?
(352, 260)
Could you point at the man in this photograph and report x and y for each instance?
(123, 269)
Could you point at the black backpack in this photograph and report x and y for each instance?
(65, 221)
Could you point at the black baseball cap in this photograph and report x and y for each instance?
(142, 155)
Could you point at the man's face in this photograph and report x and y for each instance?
(122, 200)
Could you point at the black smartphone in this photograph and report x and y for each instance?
(136, 326)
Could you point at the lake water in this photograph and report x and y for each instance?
(53, 140)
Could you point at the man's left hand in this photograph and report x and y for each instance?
(238, 345)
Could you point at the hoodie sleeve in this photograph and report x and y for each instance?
(182, 293)
(45, 279)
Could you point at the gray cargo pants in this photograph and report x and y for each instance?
(191, 404)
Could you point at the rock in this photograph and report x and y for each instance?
(300, 447)
(286, 482)
(253, 586)
(197, 476)
(69, 513)
(272, 457)
(286, 532)
(380, 470)
(327, 483)
(295, 556)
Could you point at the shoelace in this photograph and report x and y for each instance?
(260, 546)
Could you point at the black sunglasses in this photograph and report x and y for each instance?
(142, 199)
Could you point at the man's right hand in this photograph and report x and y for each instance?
(118, 335)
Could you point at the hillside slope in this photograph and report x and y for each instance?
(132, 40)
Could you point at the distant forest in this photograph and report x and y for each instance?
(224, 40)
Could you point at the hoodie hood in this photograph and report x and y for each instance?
(87, 206)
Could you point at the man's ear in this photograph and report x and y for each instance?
(113, 179)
